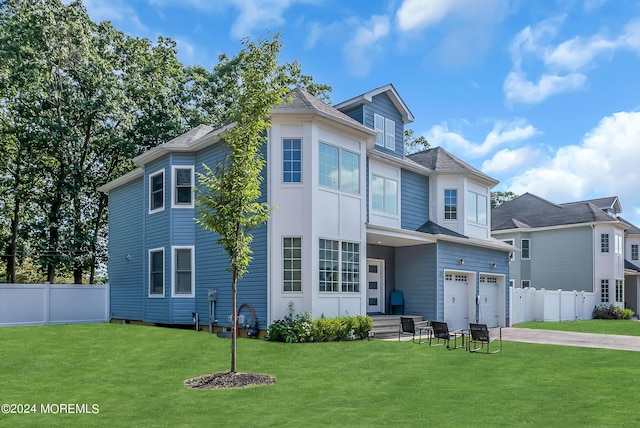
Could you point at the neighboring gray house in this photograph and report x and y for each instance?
(355, 220)
(632, 268)
(572, 246)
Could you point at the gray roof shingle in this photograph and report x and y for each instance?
(440, 160)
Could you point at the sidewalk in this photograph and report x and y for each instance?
(565, 338)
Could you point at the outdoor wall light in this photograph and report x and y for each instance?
(493, 265)
(461, 260)
(128, 257)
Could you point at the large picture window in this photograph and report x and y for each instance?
(156, 272)
(291, 160)
(156, 191)
(339, 266)
(476, 208)
(384, 195)
(450, 204)
(183, 187)
(183, 272)
(339, 169)
(291, 264)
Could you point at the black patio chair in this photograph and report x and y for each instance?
(483, 336)
(441, 332)
(408, 325)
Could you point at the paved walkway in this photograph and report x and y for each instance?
(565, 338)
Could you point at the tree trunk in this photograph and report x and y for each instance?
(234, 319)
(15, 221)
(94, 239)
(52, 249)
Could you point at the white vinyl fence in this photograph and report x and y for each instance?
(529, 304)
(36, 304)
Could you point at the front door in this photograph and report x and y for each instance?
(375, 285)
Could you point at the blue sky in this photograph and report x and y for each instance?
(541, 95)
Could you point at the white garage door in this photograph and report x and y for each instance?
(456, 300)
(488, 300)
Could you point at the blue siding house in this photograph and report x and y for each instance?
(355, 219)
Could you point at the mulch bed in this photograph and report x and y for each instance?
(226, 380)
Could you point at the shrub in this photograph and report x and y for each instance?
(611, 312)
(301, 329)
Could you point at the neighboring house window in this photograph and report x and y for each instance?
(292, 264)
(450, 204)
(156, 272)
(604, 290)
(183, 272)
(604, 243)
(386, 129)
(328, 266)
(350, 267)
(292, 160)
(512, 283)
(526, 249)
(512, 256)
(183, 187)
(339, 266)
(156, 191)
(634, 251)
(476, 208)
(384, 195)
(526, 283)
(339, 169)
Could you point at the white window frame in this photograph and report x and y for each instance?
(634, 251)
(525, 281)
(453, 214)
(604, 243)
(378, 126)
(174, 275)
(291, 282)
(604, 291)
(346, 269)
(528, 256)
(341, 183)
(473, 200)
(619, 290)
(149, 293)
(291, 161)
(512, 255)
(151, 176)
(385, 209)
(389, 134)
(174, 187)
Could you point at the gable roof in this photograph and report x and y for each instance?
(530, 211)
(302, 102)
(441, 161)
(367, 97)
(632, 230)
(609, 204)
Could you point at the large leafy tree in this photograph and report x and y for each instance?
(250, 85)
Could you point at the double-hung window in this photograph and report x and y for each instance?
(450, 204)
(156, 272)
(476, 208)
(339, 266)
(384, 195)
(183, 187)
(291, 264)
(292, 160)
(183, 272)
(634, 251)
(526, 249)
(512, 256)
(339, 169)
(604, 243)
(386, 129)
(156, 191)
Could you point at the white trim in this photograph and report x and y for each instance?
(164, 186)
(527, 281)
(512, 242)
(388, 134)
(372, 190)
(528, 249)
(282, 290)
(379, 131)
(174, 188)
(162, 295)
(282, 161)
(173, 270)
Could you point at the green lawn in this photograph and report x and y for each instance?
(625, 327)
(135, 375)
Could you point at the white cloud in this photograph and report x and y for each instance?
(258, 15)
(359, 50)
(511, 160)
(503, 132)
(604, 164)
(564, 65)
(417, 14)
(118, 12)
(590, 5)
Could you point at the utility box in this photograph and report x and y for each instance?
(213, 295)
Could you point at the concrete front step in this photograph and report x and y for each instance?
(386, 326)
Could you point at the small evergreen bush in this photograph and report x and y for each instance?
(611, 312)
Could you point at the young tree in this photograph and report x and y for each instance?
(413, 144)
(252, 83)
(499, 198)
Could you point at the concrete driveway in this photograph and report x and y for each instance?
(565, 338)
